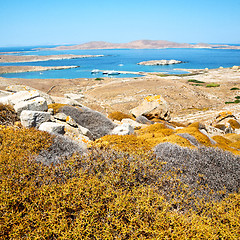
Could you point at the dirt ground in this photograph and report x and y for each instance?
(187, 100)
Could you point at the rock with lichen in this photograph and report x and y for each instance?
(152, 107)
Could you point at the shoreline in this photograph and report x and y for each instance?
(21, 69)
(188, 101)
(36, 58)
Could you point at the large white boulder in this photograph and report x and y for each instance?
(152, 107)
(15, 98)
(35, 104)
(19, 88)
(23, 96)
(33, 118)
(52, 127)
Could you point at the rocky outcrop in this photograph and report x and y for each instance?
(19, 88)
(33, 118)
(36, 104)
(159, 62)
(52, 127)
(152, 107)
(25, 100)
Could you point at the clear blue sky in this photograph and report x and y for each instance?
(41, 22)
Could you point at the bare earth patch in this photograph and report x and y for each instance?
(187, 101)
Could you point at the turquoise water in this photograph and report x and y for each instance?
(125, 60)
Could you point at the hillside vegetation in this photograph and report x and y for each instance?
(122, 187)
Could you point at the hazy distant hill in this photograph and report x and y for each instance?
(141, 44)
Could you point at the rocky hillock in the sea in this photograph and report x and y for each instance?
(159, 62)
(70, 172)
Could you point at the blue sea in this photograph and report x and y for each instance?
(122, 60)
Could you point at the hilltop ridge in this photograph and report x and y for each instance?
(141, 44)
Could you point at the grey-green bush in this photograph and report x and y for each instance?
(61, 149)
(217, 169)
(96, 122)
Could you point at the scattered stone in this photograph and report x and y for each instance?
(52, 127)
(76, 133)
(236, 67)
(74, 96)
(71, 121)
(33, 118)
(67, 101)
(36, 104)
(131, 122)
(51, 111)
(86, 132)
(143, 120)
(124, 129)
(153, 107)
(60, 116)
(212, 131)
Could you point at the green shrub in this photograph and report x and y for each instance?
(195, 81)
(234, 88)
(99, 79)
(236, 101)
(213, 85)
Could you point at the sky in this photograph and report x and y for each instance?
(58, 22)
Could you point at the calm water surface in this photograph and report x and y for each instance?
(124, 60)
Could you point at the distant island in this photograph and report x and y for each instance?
(35, 58)
(142, 44)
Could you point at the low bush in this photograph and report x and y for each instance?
(214, 168)
(236, 101)
(62, 148)
(56, 106)
(234, 88)
(99, 79)
(8, 116)
(195, 81)
(119, 116)
(96, 122)
(213, 85)
(113, 195)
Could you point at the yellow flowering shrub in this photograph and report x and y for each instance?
(126, 143)
(56, 106)
(119, 116)
(8, 116)
(234, 124)
(232, 137)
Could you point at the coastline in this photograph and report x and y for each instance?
(19, 69)
(188, 101)
(35, 58)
